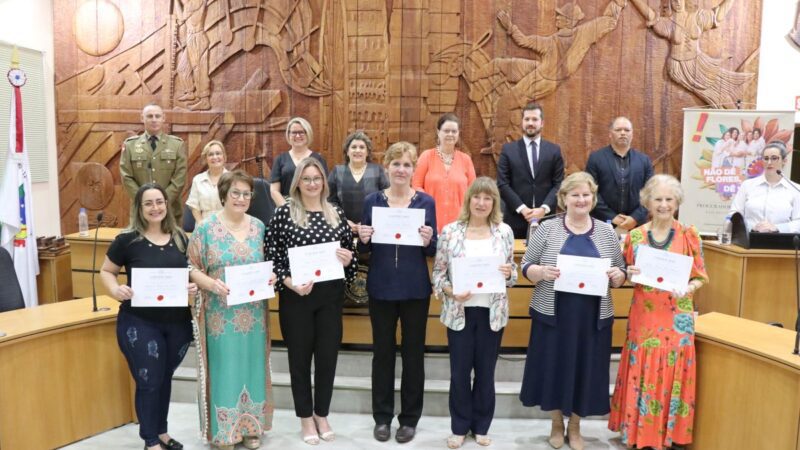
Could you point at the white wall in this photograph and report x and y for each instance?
(29, 23)
(778, 80)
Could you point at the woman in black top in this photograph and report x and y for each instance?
(310, 313)
(350, 182)
(154, 340)
(299, 135)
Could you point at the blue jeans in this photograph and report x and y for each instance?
(153, 351)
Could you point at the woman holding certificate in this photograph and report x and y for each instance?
(769, 202)
(566, 371)
(445, 172)
(153, 339)
(653, 403)
(398, 227)
(474, 319)
(311, 311)
(233, 343)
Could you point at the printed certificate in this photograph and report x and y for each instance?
(478, 275)
(397, 225)
(316, 263)
(249, 283)
(582, 275)
(662, 269)
(160, 287)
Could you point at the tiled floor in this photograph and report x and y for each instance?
(354, 431)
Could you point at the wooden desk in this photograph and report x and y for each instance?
(82, 260)
(748, 385)
(63, 376)
(753, 284)
(54, 283)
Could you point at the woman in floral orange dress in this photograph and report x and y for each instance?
(653, 403)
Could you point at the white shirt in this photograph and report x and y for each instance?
(478, 247)
(720, 153)
(528, 151)
(738, 161)
(779, 205)
(204, 196)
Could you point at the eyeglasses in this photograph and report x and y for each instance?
(771, 158)
(311, 180)
(151, 203)
(239, 194)
(298, 133)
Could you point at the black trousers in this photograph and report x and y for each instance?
(475, 348)
(153, 351)
(413, 316)
(312, 328)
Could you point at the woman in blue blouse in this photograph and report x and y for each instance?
(399, 287)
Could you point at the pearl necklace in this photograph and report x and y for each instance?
(358, 172)
(447, 159)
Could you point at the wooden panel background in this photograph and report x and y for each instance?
(390, 67)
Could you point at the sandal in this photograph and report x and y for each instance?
(455, 441)
(483, 440)
(311, 439)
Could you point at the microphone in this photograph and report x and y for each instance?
(94, 264)
(791, 183)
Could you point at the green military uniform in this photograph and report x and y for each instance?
(166, 165)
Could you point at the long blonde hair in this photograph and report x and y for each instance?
(482, 185)
(297, 210)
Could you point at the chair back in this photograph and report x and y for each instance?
(10, 292)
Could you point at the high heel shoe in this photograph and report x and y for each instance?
(326, 436)
(455, 441)
(574, 433)
(556, 439)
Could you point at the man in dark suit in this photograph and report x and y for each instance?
(620, 172)
(529, 173)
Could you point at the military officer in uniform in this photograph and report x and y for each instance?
(155, 156)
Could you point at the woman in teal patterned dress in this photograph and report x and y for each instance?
(233, 343)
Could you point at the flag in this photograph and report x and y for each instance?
(16, 202)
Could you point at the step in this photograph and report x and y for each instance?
(352, 387)
(510, 367)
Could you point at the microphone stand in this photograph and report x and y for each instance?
(796, 243)
(94, 264)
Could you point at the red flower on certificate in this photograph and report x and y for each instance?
(480, 284)
(318, 272)
(252, 292)
(581, 285)
(160, 298)
(660, 279)
(397, 235)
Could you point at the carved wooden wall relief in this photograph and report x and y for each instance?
(237, 70)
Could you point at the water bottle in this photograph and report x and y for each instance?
(83, 223)
(727, 230)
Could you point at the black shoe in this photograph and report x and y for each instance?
(171, 445)
(405, 434)
(382, 432)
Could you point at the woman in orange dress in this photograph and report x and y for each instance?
(653, 403)
(445, 172)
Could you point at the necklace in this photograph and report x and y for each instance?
(577, 227)
(661, 245)
(229, 225)
(358, 172)
(446, 158)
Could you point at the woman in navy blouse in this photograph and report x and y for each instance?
(399, 287)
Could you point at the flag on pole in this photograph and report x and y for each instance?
(16, 203)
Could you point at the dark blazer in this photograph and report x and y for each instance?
(517, 185)
(603, 168)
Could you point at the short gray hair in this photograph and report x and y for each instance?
(646, 194)
(780, 146)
